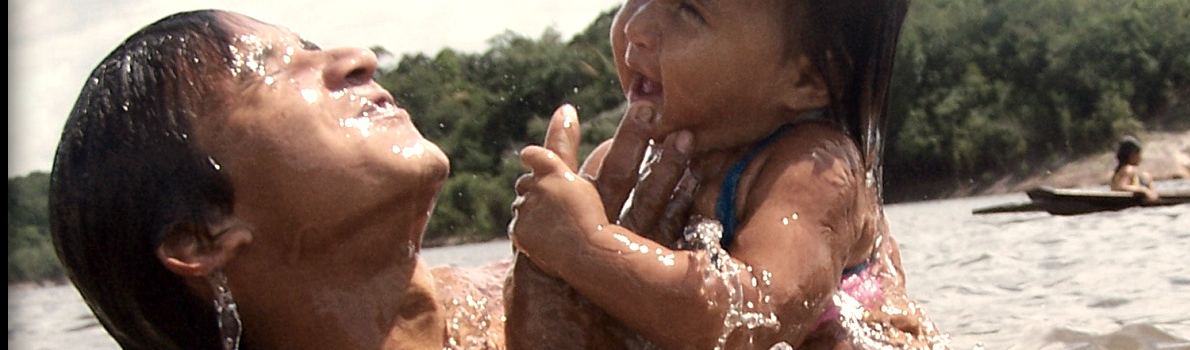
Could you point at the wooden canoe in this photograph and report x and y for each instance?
(1059, 201)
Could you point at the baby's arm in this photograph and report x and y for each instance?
(806, 215)
(791, 266)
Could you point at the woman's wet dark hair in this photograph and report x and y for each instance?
(853, 44)
(1128, 146)
(127, 167)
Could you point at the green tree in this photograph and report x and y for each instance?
(30, 250)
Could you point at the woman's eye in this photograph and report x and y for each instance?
(689, 8)
(309, 45)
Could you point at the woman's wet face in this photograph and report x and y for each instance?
(306, 130)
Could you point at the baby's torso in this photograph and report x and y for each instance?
(733, 183)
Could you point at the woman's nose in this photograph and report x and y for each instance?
(350, 66)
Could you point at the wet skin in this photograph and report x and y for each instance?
(544, 311)
(728, 73)
(333, 187)
(1130, 178)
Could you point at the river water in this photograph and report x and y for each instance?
(1109, 280)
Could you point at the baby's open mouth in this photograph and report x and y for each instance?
(646, 89)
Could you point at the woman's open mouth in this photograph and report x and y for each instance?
(376, 118)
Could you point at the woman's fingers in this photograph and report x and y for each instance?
(656, 188)
(619, 171)
(562, 135)
(677, 212)
(591, 166)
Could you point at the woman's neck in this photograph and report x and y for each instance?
(354, 283)
(394, 309)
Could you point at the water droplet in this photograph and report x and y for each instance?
(310, 95)
(410, 249)
(413, 151)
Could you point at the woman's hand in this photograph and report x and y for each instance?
(558, 204)
(661, 192)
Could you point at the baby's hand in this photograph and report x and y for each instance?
(555, 206)
(554, 209)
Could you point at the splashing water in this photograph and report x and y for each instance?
(473, 305)
(704, 235)
(863, 330)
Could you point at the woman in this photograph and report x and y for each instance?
(224, 183)
(212, 158)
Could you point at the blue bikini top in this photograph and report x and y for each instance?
(725, 207)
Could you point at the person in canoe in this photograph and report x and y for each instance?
(1128, 176)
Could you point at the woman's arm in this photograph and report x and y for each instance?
(786, 264)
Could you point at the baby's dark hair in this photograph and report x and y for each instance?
(853, 44)
(1128, 146)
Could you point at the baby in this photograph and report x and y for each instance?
(779, 106)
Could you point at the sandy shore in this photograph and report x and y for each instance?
(1166, 156)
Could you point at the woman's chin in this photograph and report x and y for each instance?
(436, 163)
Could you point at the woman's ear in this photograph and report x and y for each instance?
(195, 250)
(803, 86)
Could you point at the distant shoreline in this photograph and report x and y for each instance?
(1166, 156)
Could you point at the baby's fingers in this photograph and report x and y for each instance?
(543, 162)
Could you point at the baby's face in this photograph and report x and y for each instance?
(721, 69)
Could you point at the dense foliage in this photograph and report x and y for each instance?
(987, 88)
(482, 108)
(982, 89)
(30, 251)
